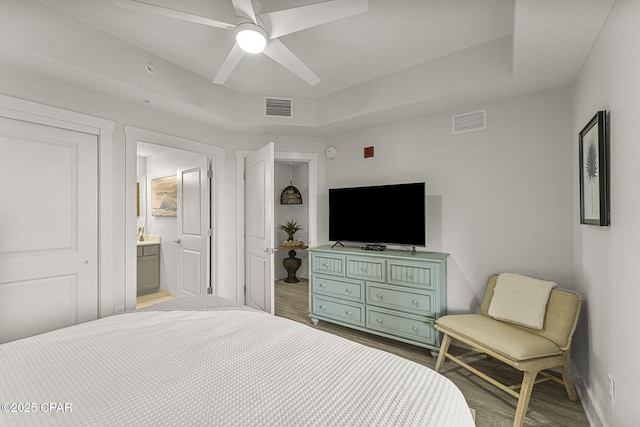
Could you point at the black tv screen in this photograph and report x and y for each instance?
(383, 214)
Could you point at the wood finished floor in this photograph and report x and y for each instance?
(549, 405)
(154, 298)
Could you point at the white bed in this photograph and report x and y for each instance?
(207, 361)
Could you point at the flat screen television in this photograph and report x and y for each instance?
(382, 214)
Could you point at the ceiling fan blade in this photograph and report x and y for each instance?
(277, 51)
(287, 21)
(245, 8)
(229, 64)
(172, 13)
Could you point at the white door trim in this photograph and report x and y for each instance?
(218, 196)
(312, 160)
(20, 109)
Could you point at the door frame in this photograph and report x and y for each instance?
(218, 159)
(312, 160)
(103, 129)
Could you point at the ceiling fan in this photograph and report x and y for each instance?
(259, 32)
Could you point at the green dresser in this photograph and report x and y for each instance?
(390, 293)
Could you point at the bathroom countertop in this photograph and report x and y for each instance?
(149, 240)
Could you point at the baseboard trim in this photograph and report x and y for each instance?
(591, 408)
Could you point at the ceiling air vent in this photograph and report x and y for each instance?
(278, 107)
(468, 122)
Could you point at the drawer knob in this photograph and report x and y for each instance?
(379, 320)
(363, 268)
(326, 264)
(379, 296)
(322, 307)
(348, 290)
(409, 275)
(322, 285)
(415, 328)
(348, 313)
(414, 302)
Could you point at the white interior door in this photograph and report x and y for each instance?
(48, 228)
(259, 225)
(194, 229)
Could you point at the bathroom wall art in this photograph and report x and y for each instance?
(164, 196)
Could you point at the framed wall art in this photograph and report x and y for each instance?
(593, 165)
(164, 196)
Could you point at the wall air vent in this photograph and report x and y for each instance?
(468, 122)
(278, 107)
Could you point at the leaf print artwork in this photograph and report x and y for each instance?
(594, 171)
(591, 172)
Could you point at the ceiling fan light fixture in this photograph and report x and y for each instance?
(251, 37)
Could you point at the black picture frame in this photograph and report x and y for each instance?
(594, 171)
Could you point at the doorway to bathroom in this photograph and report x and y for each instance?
(173, 223)
(173, 217)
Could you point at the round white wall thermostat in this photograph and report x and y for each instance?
(331, 152)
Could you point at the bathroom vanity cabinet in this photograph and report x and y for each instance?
(148, 268)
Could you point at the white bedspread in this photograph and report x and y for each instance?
(226, 367)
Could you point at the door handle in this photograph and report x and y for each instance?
(177, 241)
(270, 250)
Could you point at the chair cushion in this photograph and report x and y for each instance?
(503, 338)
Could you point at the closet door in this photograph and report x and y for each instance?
(48, 228)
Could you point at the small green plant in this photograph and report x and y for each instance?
(290, 227)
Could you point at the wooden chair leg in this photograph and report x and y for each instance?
(568, 383)
(444, 347)
(528, 381)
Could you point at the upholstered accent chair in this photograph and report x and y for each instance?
(530, 350)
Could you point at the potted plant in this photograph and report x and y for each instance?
(290, 227)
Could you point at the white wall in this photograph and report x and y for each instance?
(497, 200)
(606, 265)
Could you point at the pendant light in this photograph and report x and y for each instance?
(290, 195)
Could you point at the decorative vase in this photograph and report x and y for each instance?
(291, 264)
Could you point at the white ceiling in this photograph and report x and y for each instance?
(401, 58)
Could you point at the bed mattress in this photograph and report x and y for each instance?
(210, 363)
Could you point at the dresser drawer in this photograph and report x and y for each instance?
(402, 325)
(338, 310)
(338, 288)
(423, 276)
(366, 268)
(327, 264)
(404, 299)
